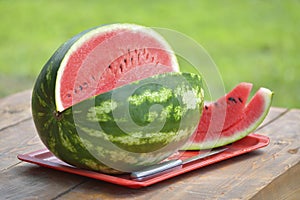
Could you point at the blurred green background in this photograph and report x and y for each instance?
(255, 41)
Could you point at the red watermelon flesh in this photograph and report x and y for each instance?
(227, 109)
(253, 111)
(108, 57)
(248, 120)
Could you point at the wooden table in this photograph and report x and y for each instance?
(272, 172)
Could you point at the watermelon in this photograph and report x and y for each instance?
(111, 99)
(239, 119)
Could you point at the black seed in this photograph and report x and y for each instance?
(68, 95)
(109, 66)
(240, 100)
(232, 99)
(125, 60)
(80, 87)
(121, 67)
(206, 107)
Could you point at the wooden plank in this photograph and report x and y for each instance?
(27, 181)
(286, 186)
(237, 178)
(15, 109)
(21, 138)
(285, 156)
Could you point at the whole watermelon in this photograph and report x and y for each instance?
(121, 130)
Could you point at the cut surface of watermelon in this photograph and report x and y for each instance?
(107, 57)
(248, 118)
(227, 109)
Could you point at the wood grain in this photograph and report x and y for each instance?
(26, 181)
(21, 138)
(286, 186)
(285, 152)
(15, 109)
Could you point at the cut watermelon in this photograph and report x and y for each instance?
(108, 57)
(240, 120)
(109, 100)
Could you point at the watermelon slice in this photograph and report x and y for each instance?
(240, 119)
(108, 57)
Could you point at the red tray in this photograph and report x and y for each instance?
(47, 159)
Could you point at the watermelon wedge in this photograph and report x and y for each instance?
(240, 119)
(227, 109)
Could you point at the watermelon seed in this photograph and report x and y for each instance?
(109, 66)
(125, 60)
(206, 107)
(58, 115)
(85, 84)
(232, 99)
(121, 67)
(80, 87)
(216, 103)
(240, 100)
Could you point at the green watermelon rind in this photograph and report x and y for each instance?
(268, 97)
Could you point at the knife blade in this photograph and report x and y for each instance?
(161, 168)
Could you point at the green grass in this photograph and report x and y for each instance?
(254, 41)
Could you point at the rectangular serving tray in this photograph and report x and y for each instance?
(249, 143)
